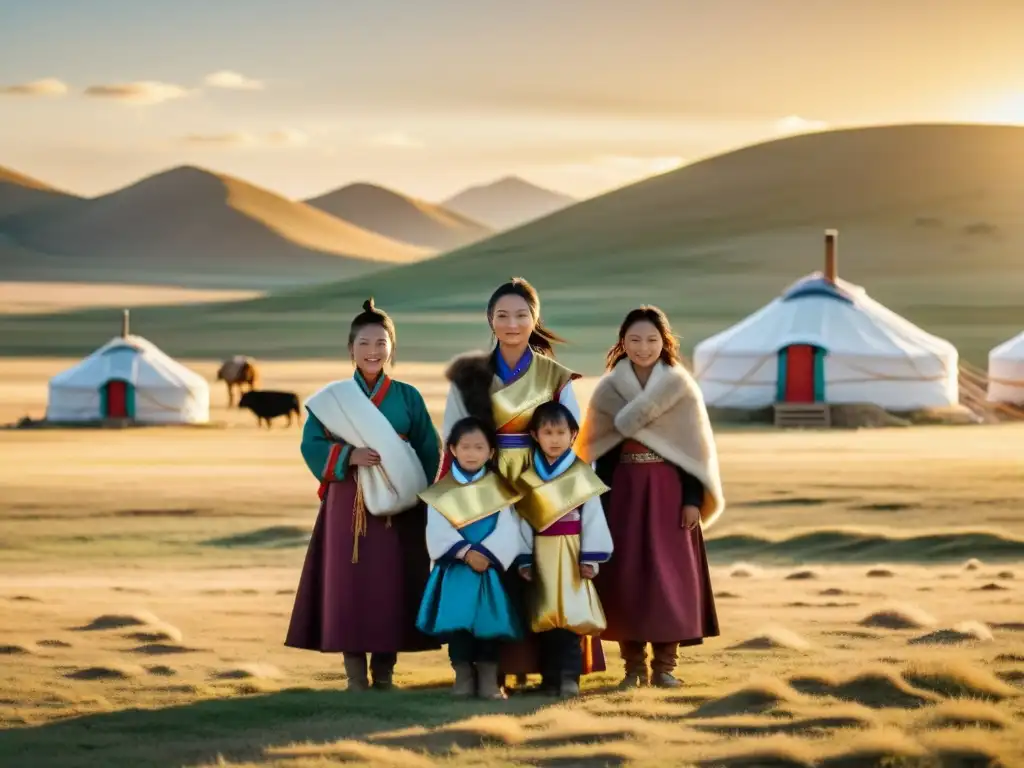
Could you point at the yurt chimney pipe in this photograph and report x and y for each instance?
(831, 269)
(124, 324)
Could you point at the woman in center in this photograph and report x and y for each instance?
(503, 387)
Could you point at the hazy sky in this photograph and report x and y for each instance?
(428, 96)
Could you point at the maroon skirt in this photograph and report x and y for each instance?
(657, 586)
(364, 607)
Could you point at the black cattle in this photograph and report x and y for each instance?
(268, 404)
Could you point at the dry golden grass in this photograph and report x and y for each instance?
(181, 548)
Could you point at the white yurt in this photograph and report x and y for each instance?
(129, 378)
(824, 340)
(1006, 372)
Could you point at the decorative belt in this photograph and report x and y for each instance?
(514, 440)
(563, 528)
(644, 457)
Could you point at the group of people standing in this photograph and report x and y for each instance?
(527, 532)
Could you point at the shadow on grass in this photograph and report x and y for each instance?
(237, 728)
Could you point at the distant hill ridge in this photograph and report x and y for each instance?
(188, 225)
(507, 203)
(20, 194)
(400, 217)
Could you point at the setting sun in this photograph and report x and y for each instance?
(1005, 109)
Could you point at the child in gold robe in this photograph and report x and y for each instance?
(565, 539)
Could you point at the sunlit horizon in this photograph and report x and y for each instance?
(452, 95)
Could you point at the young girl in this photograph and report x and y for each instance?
(565, 533)
(473, 536)
(649, 432)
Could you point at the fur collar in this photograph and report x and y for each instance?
(472, 374)
(666, 386)
(668, 416)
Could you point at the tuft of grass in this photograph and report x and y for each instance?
(247, 671)
(805, 574)
(965, 713)
(957, 679)
(965, 747)
(898, 617)
(105, 672)
(121, 620)
(744, 571)
(351, 751)
(17, 649)
(156, 634)
(965, 632)
(876, 747)
(772, 639)
(880, 573)
(753, 699)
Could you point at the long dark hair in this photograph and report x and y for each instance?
(542, 339)
(647, 313)
(373, 316)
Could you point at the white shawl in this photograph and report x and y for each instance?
(392, 486)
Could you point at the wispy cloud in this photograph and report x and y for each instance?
(797, 124)
(49, 86)
(396, 139)
(141, 92)
(284, 138)
(232, 81)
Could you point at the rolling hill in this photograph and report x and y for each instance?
(399, 217)
(20, 194)
(194, 228)
(929, 220)
(507, 203)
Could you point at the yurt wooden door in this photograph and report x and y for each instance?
(117, 400)
(801, 374)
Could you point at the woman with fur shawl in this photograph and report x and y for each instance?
(648, 431)
(503, 387)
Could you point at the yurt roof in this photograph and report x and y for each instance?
(835, 313)
(1011, 349)
(170, 370)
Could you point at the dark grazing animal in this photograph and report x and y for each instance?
(238, 372)
(268, 404)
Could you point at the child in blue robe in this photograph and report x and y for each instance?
(473, 537)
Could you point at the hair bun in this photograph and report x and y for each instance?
(368, 305)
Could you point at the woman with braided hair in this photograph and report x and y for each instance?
(370, 443)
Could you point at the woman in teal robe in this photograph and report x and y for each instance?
(363, 575)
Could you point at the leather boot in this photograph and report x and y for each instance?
(355, 670)
(487, 681)
(465, 683)
(663, 665)
(382, 666)
(569, 687)
(634, 656)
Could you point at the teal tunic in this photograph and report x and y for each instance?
(405, 410)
